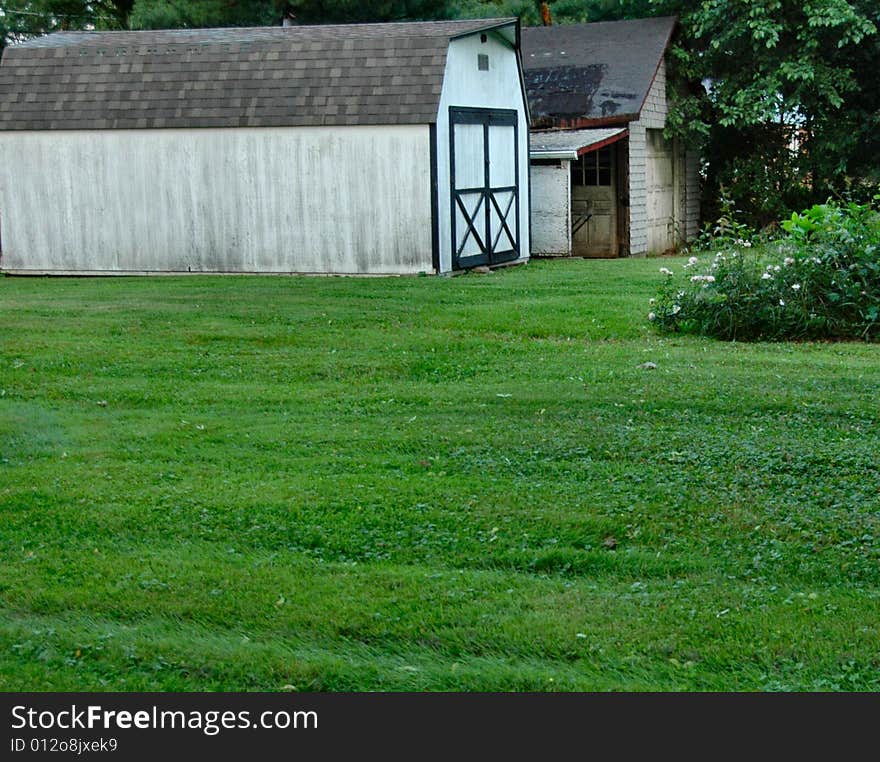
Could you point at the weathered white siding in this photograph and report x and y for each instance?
(551, 209)
(653, 116)
(293, 199)
(663, 183)
(465, 85)
(660, 186)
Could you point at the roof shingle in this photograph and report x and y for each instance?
(265, 76)
(599, 72)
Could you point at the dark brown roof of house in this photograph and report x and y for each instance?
(256, 77)
(600, 73)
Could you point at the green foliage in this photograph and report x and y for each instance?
(727, 230)
(821, 282)
(426, 484)
(22, 19)
(353, 11)
(526, 10)
(783, 98)
(175, 14)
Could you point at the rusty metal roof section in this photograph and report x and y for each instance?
(591, 74)
(347, 74)
(569, 144)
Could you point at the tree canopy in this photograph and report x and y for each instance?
(783, 96)
(27, 18)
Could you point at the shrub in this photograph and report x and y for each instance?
(820, 281)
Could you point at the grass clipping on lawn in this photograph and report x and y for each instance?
(503, 482)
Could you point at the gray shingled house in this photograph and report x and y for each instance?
(605, 180)
(374, 148)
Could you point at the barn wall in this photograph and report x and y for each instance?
(464, 85)
(651, 229)
(653, 116)
(328, 200)
(551, 209)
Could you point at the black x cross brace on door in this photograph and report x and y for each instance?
(484, 164)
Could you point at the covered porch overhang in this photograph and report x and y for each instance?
(581, 201)
(570, 144)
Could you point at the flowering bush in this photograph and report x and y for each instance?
(822, 280)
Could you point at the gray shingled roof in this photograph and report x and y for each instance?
(257, 77)
(569, 144)
(580, 73)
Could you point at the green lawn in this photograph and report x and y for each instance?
(260, 483)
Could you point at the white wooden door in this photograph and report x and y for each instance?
(594, 204)
(659, 179)
(484, 165)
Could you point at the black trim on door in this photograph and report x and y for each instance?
(479, 223)
(435, 202)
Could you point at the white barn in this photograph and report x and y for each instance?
(606, 182)
(370, 149)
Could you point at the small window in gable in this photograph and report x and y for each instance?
(482, 62)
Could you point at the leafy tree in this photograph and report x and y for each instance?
(352, 11)
(561, 11)
(21, 19)
(783, 107)
(182, 13)
(177, 14)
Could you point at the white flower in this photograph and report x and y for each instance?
(817, 261)
(651, 316)
(766, 276)
(705, 278)
(665, 271)
(776, 268)
(652, 302)
(769, 268)
(676, 308)
(747, 244)
(781, 303)
(788, 261)
(796, 287)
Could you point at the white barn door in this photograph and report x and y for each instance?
(484, 166)
(659, 179)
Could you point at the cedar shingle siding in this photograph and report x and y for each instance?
(365, 74)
